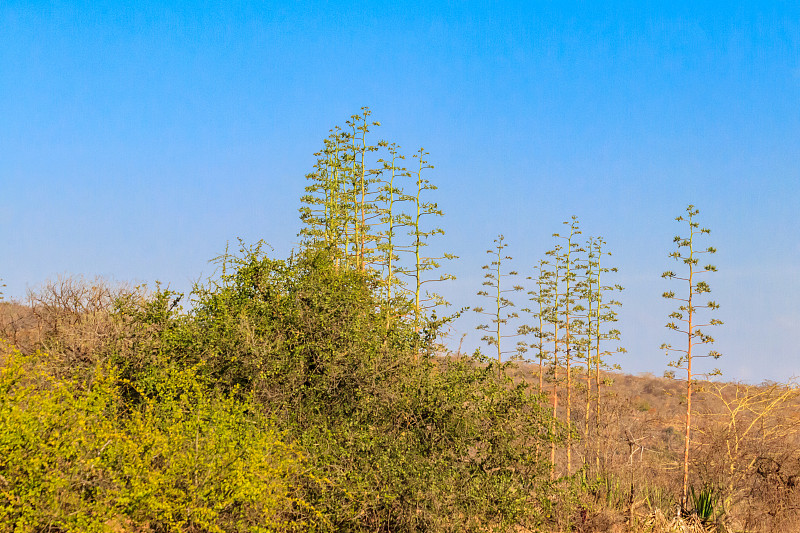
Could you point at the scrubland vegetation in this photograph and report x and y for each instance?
(313, 393)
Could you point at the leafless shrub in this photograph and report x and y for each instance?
(71, 318)
(18, 325)
(747, 450)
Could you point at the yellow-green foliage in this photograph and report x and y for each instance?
(81, 459)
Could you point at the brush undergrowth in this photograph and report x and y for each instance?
(283, 399)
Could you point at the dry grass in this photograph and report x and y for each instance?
(745, 445)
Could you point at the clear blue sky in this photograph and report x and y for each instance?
(136, 140)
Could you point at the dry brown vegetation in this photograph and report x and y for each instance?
(746, 451)
(68, 316)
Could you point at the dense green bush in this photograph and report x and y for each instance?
(406, 440)
(76, 459)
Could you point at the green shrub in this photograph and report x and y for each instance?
(52, 448)
(405, 440)
(77, 459)
(705, 503)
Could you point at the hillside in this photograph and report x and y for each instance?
(625, 466)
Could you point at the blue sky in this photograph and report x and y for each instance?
(136, 140)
